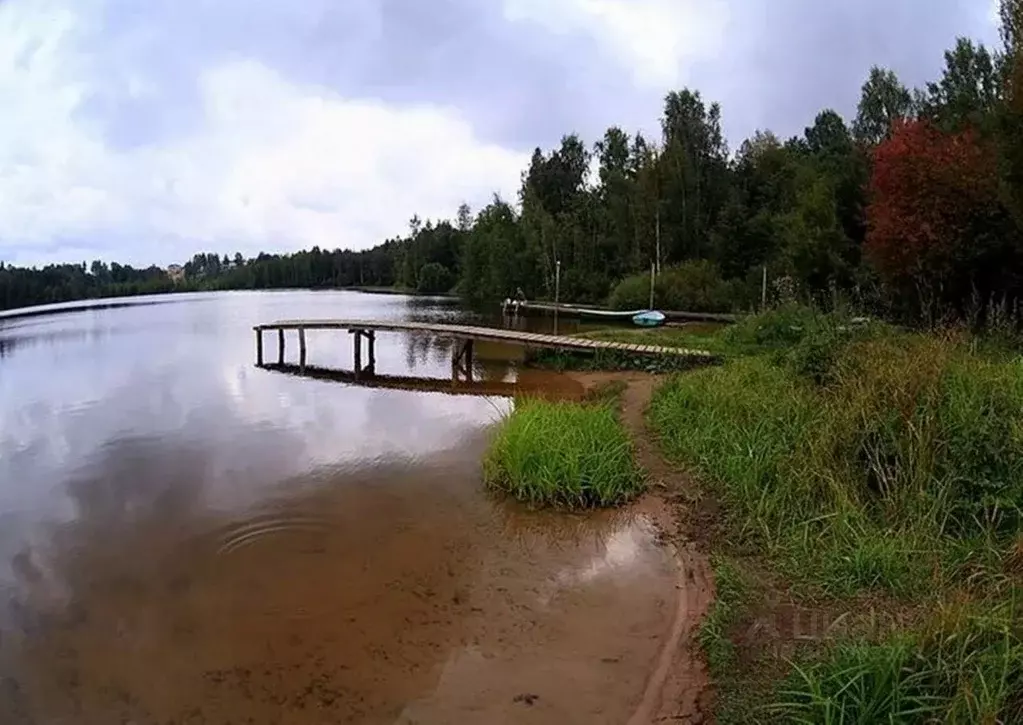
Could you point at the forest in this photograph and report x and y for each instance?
(913, 210)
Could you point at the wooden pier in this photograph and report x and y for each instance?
(464, 336)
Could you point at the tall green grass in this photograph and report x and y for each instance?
(870, 481)
(859, 461)
(730, 592)
(966, 667)
(733, 597)
(564, 455)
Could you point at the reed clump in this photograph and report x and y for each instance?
(564, 455)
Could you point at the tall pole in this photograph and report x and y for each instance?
(657, 234)
(657, 208)
(557, 292)
(652, 274)
(763, 291)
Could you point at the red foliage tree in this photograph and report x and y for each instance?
(936, 228)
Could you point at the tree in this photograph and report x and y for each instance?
(496, 259)
(832, 150)
(829, 136)
(746, 234)
(1011, 116)
(883, 102)
(969, 89)
(1010, 13)
(817, 251)
(618, 246)
(434, 279)
(464, 218)
(742, 240)
(645, 173)
(937, 231)
(694, 170)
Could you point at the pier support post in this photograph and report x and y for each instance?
(461, 360)
(357, 339)
(371, 338)
(259, 346)
(280, 346)
(301, 348)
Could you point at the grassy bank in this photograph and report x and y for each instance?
(859, 470)
(563, 454)
(613, 360)
(693, 336)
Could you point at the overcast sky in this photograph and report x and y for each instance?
(145, 130)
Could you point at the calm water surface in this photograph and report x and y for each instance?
(185, 538)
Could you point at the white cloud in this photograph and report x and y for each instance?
(657, 39)
(271, 165)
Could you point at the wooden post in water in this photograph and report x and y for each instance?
(358, 353)
(301, 348)
(280, 346)
(461, 360)
(259, 346)
(372, 337)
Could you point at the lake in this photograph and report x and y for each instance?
(187, 538)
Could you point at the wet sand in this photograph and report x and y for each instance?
(400, 594)
(679, 689)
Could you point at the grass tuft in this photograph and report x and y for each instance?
(564, 455)
(966, 667)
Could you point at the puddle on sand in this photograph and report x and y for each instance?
(398, 593)
(570, 615)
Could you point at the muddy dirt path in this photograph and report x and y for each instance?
(678, 688)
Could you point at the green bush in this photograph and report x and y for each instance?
(632, 293)
(564, 455)
(434, 279)
(791, 324)
(691, 286)
(805, 340)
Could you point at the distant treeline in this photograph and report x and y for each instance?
(22, 286)
(915, 209)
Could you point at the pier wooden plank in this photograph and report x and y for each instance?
(471, 332)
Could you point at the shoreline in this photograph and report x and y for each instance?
(678, 687)
(106, 303)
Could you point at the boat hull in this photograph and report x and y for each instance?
(650, 318)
